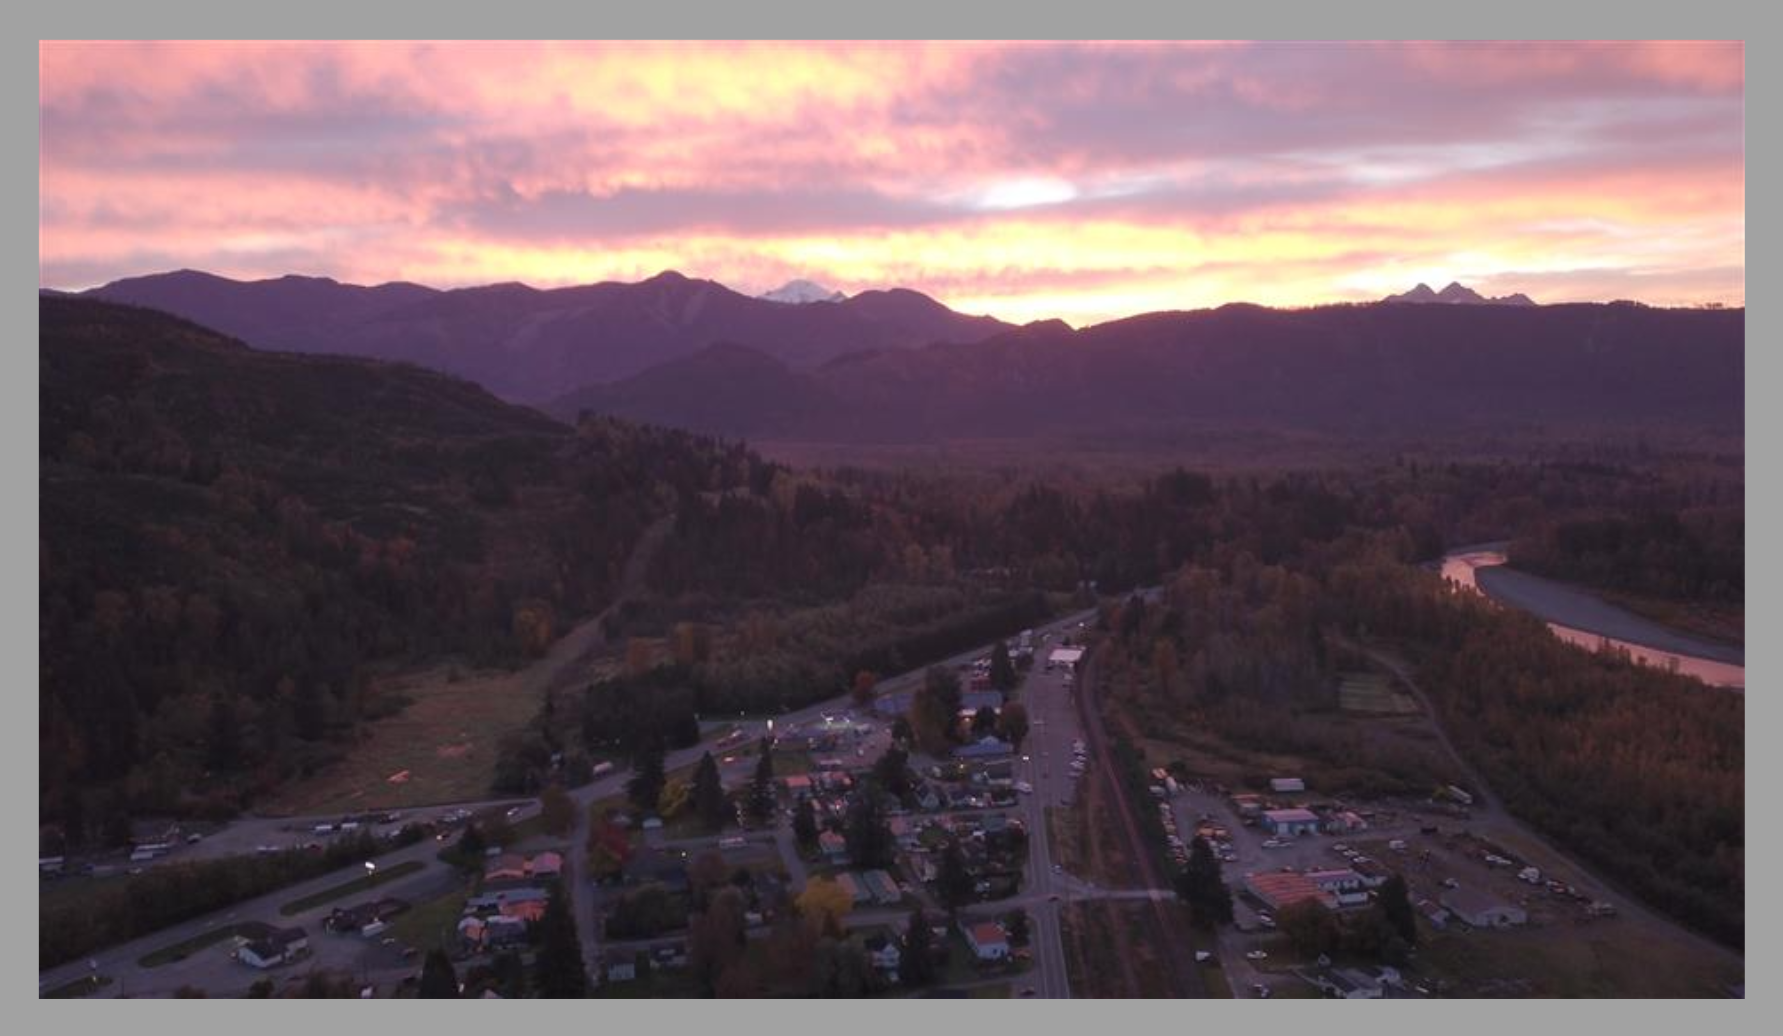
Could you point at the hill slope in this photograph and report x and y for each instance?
(529, 344)
(231, 538)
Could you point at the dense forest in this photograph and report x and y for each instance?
(1696, 554)
(231, 540)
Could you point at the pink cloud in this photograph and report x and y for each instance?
(853, 162)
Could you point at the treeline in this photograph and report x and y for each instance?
(112, 912)
(1692, 555)
(764, 663)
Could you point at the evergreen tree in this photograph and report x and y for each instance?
(708, 793)
(559, 971)
(439, 980)
(647, 779)
(1199, 884)
(468, 851)
(869, 837)
(222, 748)
(1395, 906)
(1003, 675)
(761, 788)
(953, 883)
(916, 966)
(804, 823)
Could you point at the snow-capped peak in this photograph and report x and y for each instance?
(800, 292)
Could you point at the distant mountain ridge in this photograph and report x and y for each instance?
(1458, 294)
(531, 344)
(1393, 370)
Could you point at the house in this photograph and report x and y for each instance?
(1285, 785)
(988, 747)
(274, 947)
(1373, 873)
(493, 902)
(855, 889)
(546, 865)
(988, 941)
(1478, 910)
(880, 888)
(1346, 822)
(1065, 656)
(1290, 823)
(1343, 883)
(1279, 889)
(883, 952)
(506, 867)
(833, 846)
(471, 933)
(1248, 805)
(1355, 983)
(526, 911)
(797, 784)
(502, 930)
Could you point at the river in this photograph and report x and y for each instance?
(1584, 619)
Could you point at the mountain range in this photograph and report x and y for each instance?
(1458, 294)
(1344, 370)
(531, 344)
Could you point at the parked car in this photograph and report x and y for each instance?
(1257, 955)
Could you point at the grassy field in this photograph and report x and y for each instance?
(86, 985)
(430, 924)
(181, 950)
(348, 888)
(1601, 960)
(440, 749)
(1373, 694)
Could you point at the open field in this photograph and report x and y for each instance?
(1603, 960)
(1373, 694)
(430, 924)
(441, 748)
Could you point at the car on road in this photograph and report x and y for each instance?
(1203, 956)
(1275, 843)
(1257, 955)
(1028, 991)
(1261, 990)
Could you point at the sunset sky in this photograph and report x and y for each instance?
(1081, 181)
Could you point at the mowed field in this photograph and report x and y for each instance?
(440, 749)
(1373, 693)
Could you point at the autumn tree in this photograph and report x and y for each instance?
(715, 937)
(861, 691)
(557, 811)
(824, 903)
(1012, 724)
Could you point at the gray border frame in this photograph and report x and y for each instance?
(923, 18)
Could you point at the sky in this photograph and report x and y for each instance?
(1028, 181)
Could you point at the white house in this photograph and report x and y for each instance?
(1478, 910)
(1288, 823)
(987, 939)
